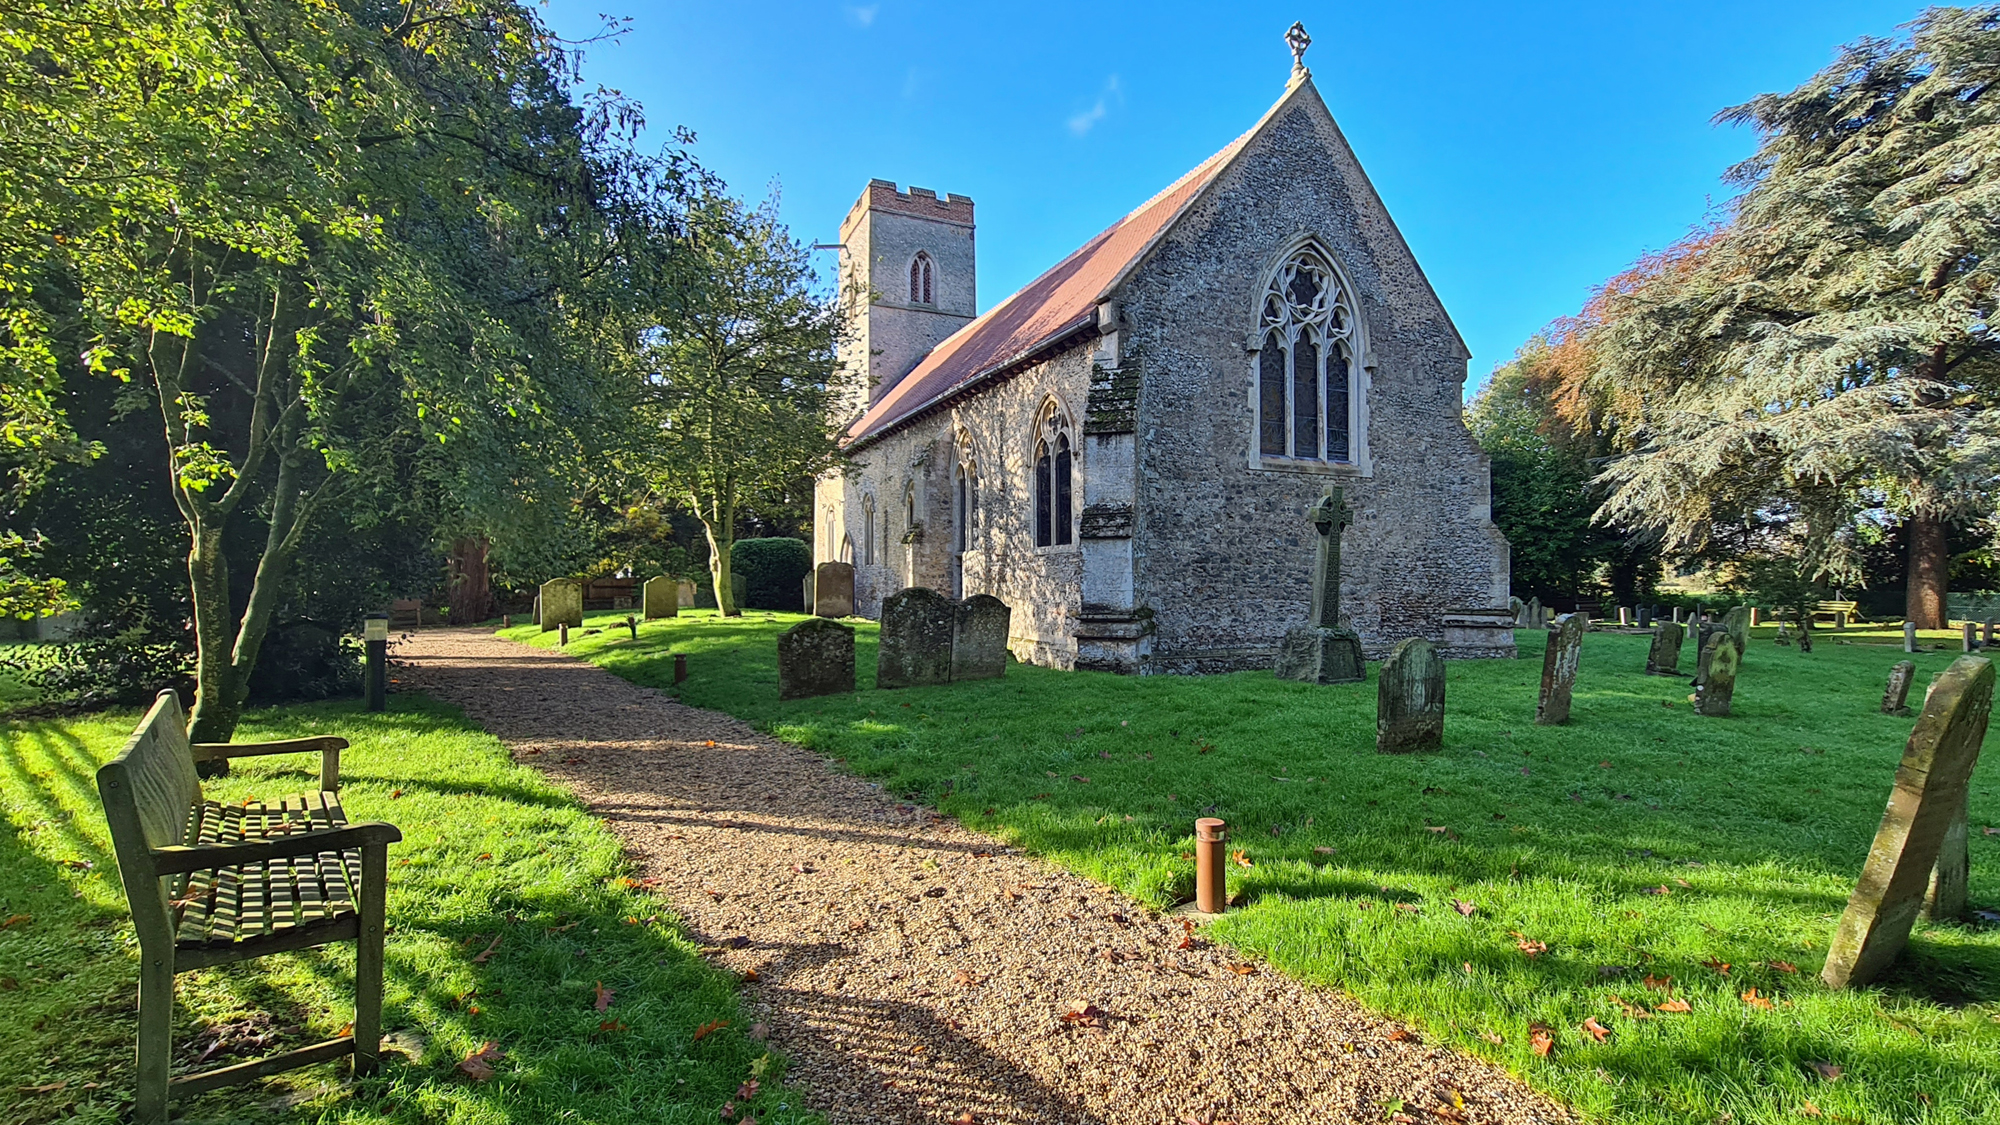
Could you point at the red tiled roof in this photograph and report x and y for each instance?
(1045, 310)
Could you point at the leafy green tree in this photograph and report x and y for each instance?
(1826, 352)
(732, 408)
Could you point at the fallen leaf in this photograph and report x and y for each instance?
(1403, 1035)
(1243, 970)
(603, 996)
(1490, 1037)
(9, 984)
(1540, 1040)
(395, 793)
(1673, 1006)
(1083, 1013)
(1826, 1070)
(1631, 1010)
(1659, 984)
(481, 958)
(48, 1089)
(965, 1118)
(750, 975)
(747, 1092)
(708, 1029)
(16, 920)
(1597, 1030)
(1323, 851)
(967, 980)
(1463, 907)
(1751, 998)
(1662, 889)
(1784, 966)
(478, 1065)
(1187, 935)
(1807, 1109)
(1719, 966)
(1532, 947)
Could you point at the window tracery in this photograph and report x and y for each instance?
(1055, 472)
(1305, 362)
(920, 279)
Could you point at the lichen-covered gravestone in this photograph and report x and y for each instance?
(1703, 633)
(1737, 621)
(815, 657)
(660, 597)
(1895, 697)
(1519, 609)
(833, 589)
(1559, 663)
(1929, 794)
(917, 628)
(684, 593)
(1324, 651)
(979, 638)
(1718, 682)
(1665, 657)
(562, 604)
(1409, 699)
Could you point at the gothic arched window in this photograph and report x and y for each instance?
(1054, 482)
(920, 279)
(1305, 361)
(868, 531)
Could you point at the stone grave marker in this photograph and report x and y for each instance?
(1929, 793)
(1968, 640)
(1895, 697)
(1738, 621)
(1944, 899)
(537, 616)
(561, 604)
(1559, 662)
(815, 657)
(659, 597)
(1714, 691)
(1677, 615)
(917, 628)
(1324, 651)
(1645, 617)
(1702, 633)
(1409, 699)
(1665, 657)
(1987, 637)
(1534, 613)
(1909, 636)
(1624, 616)
(979, 638)
(1519, 609)
(833, 589)
(807, 583)
(684, 592)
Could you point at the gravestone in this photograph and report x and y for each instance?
(1967, 639)
(1703, 632)
(1645, 617)
(660, 597)
(1519, 609)
(1895, 697)
(1987, 638)
(684, 592)
(1712, 695)
(979, 638)
(917, 628)
(1944, 899)
(1409, 699)
(1324, 651)
(561, 604)
(1840, 621)
(1534, 613)
(1624, 616)
(833, 589)
(1738, 621)
(537, 618)
(1559, 661)
(1909, 636)
(807, 583)
(1665, 657)
(1929, 793)
(815, 657)
(1677, 615)
(1753, 617)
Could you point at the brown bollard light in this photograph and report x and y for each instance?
(562, 635)
(632, 623)
(1211, 889)
(680, 667)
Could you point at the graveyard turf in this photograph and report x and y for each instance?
(1639, 840)
(489, 849)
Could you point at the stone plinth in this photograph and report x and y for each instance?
(1928, 795)
(815, 657)
(1409, 701)
(1320, 656)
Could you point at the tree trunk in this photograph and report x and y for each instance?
(215, 712)
(471, 581)
(721, 537)
(1930, 564)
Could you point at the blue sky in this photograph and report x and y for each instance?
(1527, 151)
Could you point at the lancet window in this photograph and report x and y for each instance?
(1054, 481)
(920, 279)
(1305, 363)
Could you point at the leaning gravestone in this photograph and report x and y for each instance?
(1945, 899)
(1324, 651)
(1737, 621)
(1703, 633)
(1895, 697)
(1665, 657)
(1559, 661)
(562, 604)
(915, 649)
(815, 657)
(1930, 792)
(660, 597)
(1409, 699)
(979, 638)
(1519, 609)
(833, 589)
(1713, 693)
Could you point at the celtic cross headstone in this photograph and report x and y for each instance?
(1323, 650)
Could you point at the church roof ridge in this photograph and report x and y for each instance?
(1055, 306)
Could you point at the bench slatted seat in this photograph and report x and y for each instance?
(1833, 609)
(211, 883)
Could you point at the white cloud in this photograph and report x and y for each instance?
(863, 15)
(1082, 123)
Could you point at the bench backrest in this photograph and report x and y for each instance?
(148, 790)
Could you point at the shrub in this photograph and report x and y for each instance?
(773, 571)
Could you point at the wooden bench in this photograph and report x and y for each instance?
(1833, 610)
(210, 883)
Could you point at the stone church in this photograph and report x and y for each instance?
(1124, 450)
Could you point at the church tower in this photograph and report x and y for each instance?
(907, 280)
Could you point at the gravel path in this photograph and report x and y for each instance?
(915, 971)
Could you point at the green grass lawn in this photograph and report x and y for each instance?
(1639, 841)
(493, 857)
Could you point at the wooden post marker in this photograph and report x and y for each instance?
(1928, 796)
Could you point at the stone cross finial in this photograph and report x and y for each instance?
(1329, 516)
(1297, 39)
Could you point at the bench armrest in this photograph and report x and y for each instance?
(329, 747)
(179, 860)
